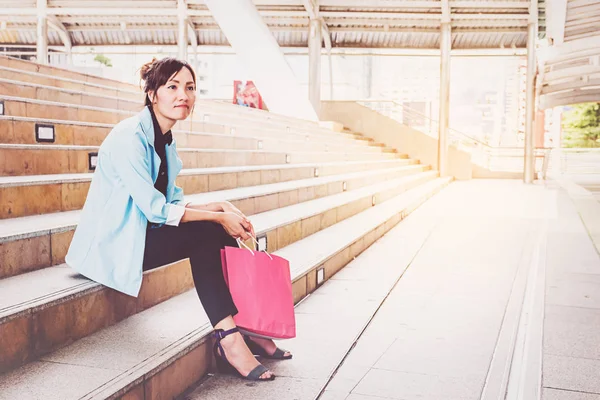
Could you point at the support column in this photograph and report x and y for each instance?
(260, 54)
(315, 38)
(529, 169)
(42, 32)
(182, 34)
(445, 47)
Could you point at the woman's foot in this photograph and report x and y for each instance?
(240, 357)
(268, 346)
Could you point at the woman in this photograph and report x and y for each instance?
(134, 218)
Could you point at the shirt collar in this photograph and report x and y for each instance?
(159, 138)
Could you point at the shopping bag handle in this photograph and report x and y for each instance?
(240, 244)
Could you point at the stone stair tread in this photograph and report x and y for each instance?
(62, 78)
(61, 104)
(314, 130)
(72, 283)
(35, 288)
(284, 215)
(115, 357)
(352, 228)
(187, 149)
(28, 180)
(333, 140)
(70, 91)
(34, 225)
(6, 181)
(14, 228)
(251, 191)
(55, 121)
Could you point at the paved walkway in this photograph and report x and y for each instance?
(434, 310)
(572, 317)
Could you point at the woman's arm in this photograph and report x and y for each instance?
(214, 207)
(235, 225)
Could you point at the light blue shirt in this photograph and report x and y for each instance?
(108, 245)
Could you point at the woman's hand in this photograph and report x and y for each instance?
(227, 207)
(235, 225)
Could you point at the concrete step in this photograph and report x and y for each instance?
(133, 93)
(47, 308)
(199, 121)
(18, 160)
(63, 74)
(23, 89)
(34, 242)
(55, 83)
(19, 88)
(22, 130)
(31, 195)
(69, 84)
(130, 93)
(162, 351)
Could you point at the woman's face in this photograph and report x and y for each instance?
(175, 99)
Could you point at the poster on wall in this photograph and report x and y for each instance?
(246, 94)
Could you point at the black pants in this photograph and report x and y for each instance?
(201, 242)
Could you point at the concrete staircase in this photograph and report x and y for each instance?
(316, 197)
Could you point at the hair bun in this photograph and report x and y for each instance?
(147, 69)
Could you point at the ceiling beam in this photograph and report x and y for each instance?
(445, 12)
(586, 96)
(408, 4)
(64, 35)
(571, 85)
(572, 49)
(571, 73)
(556, 18)
(275, 28)
(93, 11)
(312, 8)
(192, 33)
(489, 4)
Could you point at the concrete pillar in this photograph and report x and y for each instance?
(42, 32)
(529, 170)
(367, 77)
(259, 53)
(182, 33)
(445, 47)
(315, 39)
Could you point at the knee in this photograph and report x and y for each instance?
(208, 230)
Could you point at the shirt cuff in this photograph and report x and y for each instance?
(175, 214)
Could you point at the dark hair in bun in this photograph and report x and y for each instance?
(157, 72)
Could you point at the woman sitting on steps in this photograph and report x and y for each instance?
(134, 218)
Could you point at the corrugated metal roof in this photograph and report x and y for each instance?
(381, 24)
(583, 19)
(18, 4)
(570, 73)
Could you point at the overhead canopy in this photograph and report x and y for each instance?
(401, 24)
(570, 65)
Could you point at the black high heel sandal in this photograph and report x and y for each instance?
(223, 365)
(257, 350)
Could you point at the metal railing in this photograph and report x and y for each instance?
(577, 161)
(493, 158)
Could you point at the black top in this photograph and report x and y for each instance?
(160, 143)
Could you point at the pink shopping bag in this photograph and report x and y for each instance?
(261, 287)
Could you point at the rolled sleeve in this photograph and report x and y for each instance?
(175, 214)
(177, 195)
